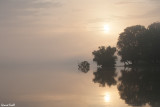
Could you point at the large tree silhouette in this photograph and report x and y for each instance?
(138, 44)
(106, 60)
(128, 44)
(105, 56)
(153, 43)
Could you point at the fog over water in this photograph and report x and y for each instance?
(42, 42)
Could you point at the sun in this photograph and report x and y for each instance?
(107, 97)
(106, 28)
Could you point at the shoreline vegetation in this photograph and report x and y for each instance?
(139, 49)
(137, 46)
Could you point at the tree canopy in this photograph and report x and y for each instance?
(139, 44)
(104, 56)
(84, 66)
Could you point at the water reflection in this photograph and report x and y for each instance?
(139, 86)
(105, 76)
(107, 97)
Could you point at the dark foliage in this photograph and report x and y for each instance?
(105, 76)
(105, 56)
(128, 44)
(139, 86)
(84, 66)
(138, 44)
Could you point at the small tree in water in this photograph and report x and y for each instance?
(105, 56)
(84, 66)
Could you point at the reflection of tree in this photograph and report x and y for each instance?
(106, 60)
(105, 75)
(139, 86)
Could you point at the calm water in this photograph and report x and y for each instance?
(57, 87)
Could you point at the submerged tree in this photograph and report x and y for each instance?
(105, 56)
(84, 66)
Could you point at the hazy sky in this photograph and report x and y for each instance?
(64, 31)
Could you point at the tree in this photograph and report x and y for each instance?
(105, 56)
(153, 32)
(138, 44)
(128, 45)
(84, 66)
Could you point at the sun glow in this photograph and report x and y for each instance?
(107, 97)
(106, 28)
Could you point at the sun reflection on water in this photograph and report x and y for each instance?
(107, 97)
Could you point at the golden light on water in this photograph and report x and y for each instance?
(107, 97)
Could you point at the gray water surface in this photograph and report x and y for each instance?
(58, 87)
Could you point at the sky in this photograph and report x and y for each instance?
(66, 31)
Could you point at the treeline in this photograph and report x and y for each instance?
(136, 45)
